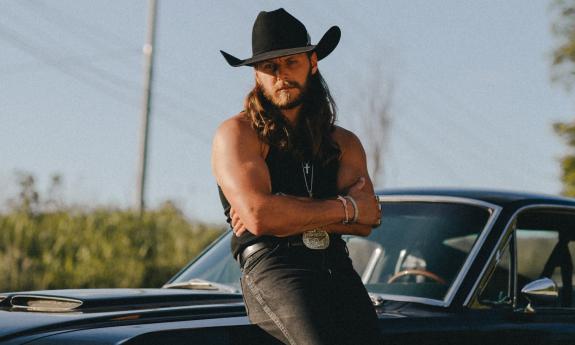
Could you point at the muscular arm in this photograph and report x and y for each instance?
(353, 165)
(241, 172)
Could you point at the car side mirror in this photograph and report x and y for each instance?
(541, 292)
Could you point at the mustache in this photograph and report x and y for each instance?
(288, 84)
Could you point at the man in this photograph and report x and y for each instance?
(291, 183)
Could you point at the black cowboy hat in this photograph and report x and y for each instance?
(278, 33)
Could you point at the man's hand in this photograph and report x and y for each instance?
(238, 226)
(367, 204)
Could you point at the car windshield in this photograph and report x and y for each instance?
(417, 251)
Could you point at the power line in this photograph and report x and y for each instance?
(465, 134)
(466, 112)
(98, 35)
(86, 32)
(19, 42)
(71, 60)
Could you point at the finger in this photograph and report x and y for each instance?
(235, 220)
(241, 229)
(358, 185)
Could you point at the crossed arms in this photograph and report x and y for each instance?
(238, 163)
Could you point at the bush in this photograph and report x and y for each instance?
(93, 249)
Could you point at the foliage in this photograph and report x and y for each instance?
(564, 73)
(73, 248)
(567, 131)
(564, 30)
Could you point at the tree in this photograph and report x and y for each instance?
(564, 54)
(563, 72)
(376, 120)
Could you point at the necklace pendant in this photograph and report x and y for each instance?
(316, 239)
(306, 170)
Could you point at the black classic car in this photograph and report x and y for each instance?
(444, 267)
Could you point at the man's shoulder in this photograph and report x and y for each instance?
(237, 131)
(344, 136)
(236, 124)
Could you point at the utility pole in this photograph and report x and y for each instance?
(148, 51)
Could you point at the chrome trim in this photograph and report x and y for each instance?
(404, 298)
(509, 225)
(370, 267)
(76, 303)
(435, 198)
(494, 211)
(209, 306)
(543, 287)
(542, 291)
(201, 284)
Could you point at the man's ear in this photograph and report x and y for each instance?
(313, 61)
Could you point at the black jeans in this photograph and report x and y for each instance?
(304, 296)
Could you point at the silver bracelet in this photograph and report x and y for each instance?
(355, 209)
(344, 203)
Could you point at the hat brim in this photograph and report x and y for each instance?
(323, 48)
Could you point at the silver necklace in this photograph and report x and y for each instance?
(305, 169)
(314, 238)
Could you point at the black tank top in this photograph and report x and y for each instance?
(287, 177)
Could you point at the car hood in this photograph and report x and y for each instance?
(42, 311)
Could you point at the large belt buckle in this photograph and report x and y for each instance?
(316, 239)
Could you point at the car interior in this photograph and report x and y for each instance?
(419, 249)
(544, 241)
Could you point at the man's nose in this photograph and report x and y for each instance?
(281, 72)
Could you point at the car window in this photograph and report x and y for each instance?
(419, 249)
(535, 260)
(215, 265)
(498, 289)
(545, 247)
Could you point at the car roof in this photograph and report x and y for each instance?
(493, 196)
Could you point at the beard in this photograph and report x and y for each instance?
(285, 99)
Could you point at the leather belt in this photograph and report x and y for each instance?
(250, 250)
(292, 241)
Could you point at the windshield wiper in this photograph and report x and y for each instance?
(201, 284)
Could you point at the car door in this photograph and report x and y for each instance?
(540, 243)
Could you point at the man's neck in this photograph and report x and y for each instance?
(291, 114)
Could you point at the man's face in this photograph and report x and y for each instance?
(284, 80)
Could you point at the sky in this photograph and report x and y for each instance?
(470, 98)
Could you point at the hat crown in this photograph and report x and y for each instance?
(277, 30)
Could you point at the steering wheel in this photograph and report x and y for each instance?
(417, 272)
